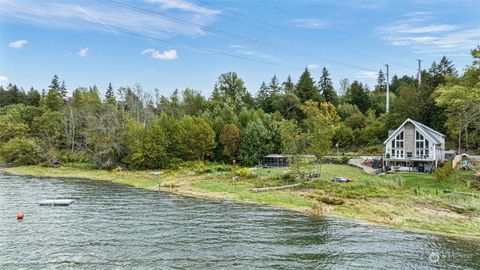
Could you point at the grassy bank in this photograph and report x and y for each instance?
(410, 201)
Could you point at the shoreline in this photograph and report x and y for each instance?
(195, 192)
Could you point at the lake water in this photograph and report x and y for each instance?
(119, 227)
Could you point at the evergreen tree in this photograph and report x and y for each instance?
(274, 86)
(381, 82)
(33, 97)
(326, 87)
(263, 97)
(288, 85)
(55, 84)
(305, 88)
(63, 91)
(358, 95)
(109, 94)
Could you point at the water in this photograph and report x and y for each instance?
(118, 227)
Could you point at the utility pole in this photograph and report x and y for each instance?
(419, 71)
(388, 91)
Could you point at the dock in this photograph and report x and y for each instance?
(59, 202)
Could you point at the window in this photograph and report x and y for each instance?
(421, 146)
(397, 146)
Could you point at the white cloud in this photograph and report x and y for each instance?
(312, 66)
(18, 44)
(3, 80)
(184, 6)
(309, 23)
(83, 52)
(367, 74)
(426, 37)
(165, 55)
(111, 17)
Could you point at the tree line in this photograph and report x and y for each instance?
(130, 128)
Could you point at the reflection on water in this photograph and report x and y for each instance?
(112, 227)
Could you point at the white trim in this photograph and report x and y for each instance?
(417, 127)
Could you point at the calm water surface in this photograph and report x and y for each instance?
(118, 227)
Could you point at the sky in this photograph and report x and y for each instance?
(169, 44)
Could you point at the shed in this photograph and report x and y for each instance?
(275, 160)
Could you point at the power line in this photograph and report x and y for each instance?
(341, 32)
(207, 50)
(233, 35)
(192, 24)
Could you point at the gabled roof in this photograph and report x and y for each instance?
(428, 131)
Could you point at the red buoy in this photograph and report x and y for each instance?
(20, 216)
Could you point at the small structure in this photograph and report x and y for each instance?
(276, 160)
(450, 154)
(414, 146)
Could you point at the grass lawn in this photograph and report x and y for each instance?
(406, 200)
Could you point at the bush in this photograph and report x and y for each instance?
(74, 157)
(21, 151)
(244, 172)
(443, 172)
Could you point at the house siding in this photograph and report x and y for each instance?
(409, 137)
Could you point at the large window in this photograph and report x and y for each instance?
(397, 146)
(421, 146)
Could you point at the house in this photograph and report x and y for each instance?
(275, 160)
(414, 146)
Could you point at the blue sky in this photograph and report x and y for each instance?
(168, 44)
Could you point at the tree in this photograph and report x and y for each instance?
(196, 138)
(52, 101)
(55, 84)
(21, 151)
(463, 107)
(105, 135)
(292, 139)
(146, 146)
(230, 139)
(358, 95)
(321, 122)
(254, 143)
(230, 89)
(343, 136)
(305, 88)
(263, 99)
(33, 97)
(381, 82)
(110, 95)
(326, 87)
(344, 85)
(63, 91)
(286, 104)
(288, 85)
(274, 86)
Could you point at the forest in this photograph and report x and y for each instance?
(129, 128)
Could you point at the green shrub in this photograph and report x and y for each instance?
(443, 172)
(74, 157)
(344, 159)
(244, 172)
(21, 151)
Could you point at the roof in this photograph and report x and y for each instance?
(274, 156)
(282, 156)
(423, 128)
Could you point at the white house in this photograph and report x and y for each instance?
(414, 146)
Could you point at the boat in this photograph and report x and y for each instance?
(341, 179)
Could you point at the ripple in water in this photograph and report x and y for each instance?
(113, 227)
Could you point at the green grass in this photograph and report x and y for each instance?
(406, 200)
